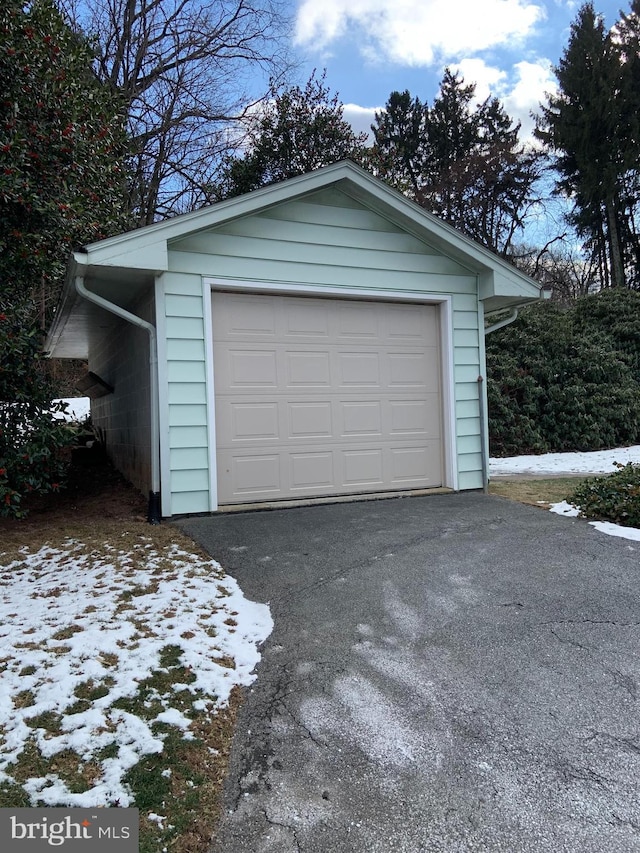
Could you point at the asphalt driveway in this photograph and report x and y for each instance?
(447, 673)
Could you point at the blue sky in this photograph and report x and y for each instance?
(372, 47)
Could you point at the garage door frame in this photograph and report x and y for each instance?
(444, 301)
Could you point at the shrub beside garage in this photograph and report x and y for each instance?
(566, 378)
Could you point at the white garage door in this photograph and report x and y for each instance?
(325, 397)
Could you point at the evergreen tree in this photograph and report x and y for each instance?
(459, 160)
(590, 127)
(401, 149)
(296, 131)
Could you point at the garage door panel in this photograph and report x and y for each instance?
(308, 369)
(358, 322)
(255, 474)
(246, 368)
(304, 319)
(343, 400)
(415, 417)
(254, 421)
(411, 325)
(358, 370)
(311, 471)
(362, 468)
(243, 316)
(411, 370)
(310, 419)
(360, 418)
(410, 464)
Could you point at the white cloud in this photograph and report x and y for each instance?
(489, 80)
(531, 83)
(361, 118)
(521, 89)
(418, 32)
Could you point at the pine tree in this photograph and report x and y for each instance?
(460, 160)
(590, 127)
(401, 149)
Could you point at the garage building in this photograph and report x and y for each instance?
(317, 338)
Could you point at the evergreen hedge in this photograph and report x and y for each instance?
(566, 378)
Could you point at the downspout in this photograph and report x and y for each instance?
(481, 397)
(153, 515)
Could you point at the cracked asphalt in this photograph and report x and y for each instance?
(446, 673)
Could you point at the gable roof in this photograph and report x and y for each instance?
(144, 252)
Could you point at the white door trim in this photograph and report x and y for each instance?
(444, 300)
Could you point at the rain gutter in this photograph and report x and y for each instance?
(504, 322)
(153, 514)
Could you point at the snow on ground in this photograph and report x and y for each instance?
(593, 462)
(79, 408)
(71, 620)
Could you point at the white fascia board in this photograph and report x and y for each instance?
(508, 282)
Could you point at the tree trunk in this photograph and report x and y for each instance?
(615, 253)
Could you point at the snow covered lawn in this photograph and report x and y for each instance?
(556, 464)
(109, 653)
(595, 462)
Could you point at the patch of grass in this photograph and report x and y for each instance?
(67, 633)
(13, 796)
(78, 775)
(24, 699)
(615, 497)
(170, 656)
(188, 797)
(28, 670)
(91, 690)
(48, 720)
(137, 591)
(536, 492)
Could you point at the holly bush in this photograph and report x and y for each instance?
(63, 175)
(32, 439)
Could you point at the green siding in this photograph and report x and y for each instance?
(466, 372)
(465, 320)
(185, 458)
(468, 408)
(187, 328)
(184, 415)
(470, 480)
(467, 390)
(191, 501)
(469, 444)
(194, 480)
(465, 338)
(186, 393)
(188, 436)
(187, 371)
(300, 272)
(183, 349)
(183, 306)
(470, 463)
